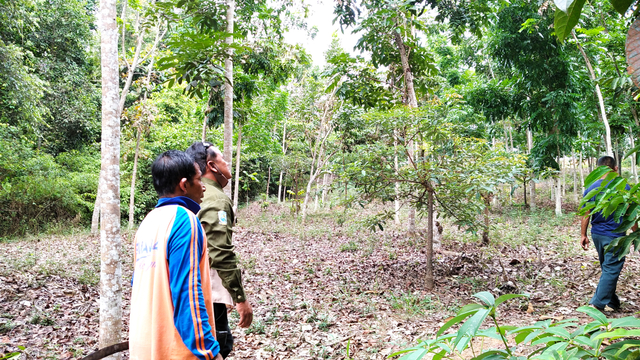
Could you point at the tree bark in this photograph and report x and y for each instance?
(558, 196)
(236, 185)
(592, 75)
(228, 93)
(430, 229)
(110, 241)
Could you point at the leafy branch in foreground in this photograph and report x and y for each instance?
(613, 198)
(562, 340)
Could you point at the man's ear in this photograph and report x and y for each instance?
(212, 167)
(182, 185)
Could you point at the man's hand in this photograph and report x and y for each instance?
(584, 242)
(246, 314)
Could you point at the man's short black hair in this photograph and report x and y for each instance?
(201, 151)
(607, 161)
(169, 168)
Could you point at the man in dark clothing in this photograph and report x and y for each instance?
(217, 218)
(602, 233)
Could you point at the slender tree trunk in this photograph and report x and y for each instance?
(305, 204)
(575, 176)
(325, 182)
(412, 102)
(396, 201)
(581, 173)
(280, 187)
(284, 152)
(558, 197)
(634, 167)
(430, 229)
(236, 186)
(95, 218)
(485, 231)
(132, 67)
(110, 241)
(228, 92)
(315, 206)
(563, 170)
(268, 181)
(132, 204)
(603, 111)
(532, 186)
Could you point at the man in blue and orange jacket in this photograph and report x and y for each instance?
(171, 312)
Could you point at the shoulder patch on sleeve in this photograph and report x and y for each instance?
(222, 217)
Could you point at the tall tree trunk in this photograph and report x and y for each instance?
(603, 111)
(575, 176)
(132, 204)
(147, 81)
(268, 181)
(284, 152)
(430, 229)
(95, 217)
(305, 204)
(412, 102)
(315, 205)
(485, 231)
(532, 186)
(236, 185)
(110, 241)
(396, 201)
(280, 187)
(634, 167)
(581, 173)
(563, 170)
(325, 182)
(228, 92)
(131, 68)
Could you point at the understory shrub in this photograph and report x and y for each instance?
(38, 190)
(602, 338)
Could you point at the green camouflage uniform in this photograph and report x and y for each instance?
(216, 208)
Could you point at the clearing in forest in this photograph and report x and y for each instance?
(320, 290)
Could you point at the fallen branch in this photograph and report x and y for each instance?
(109, 350)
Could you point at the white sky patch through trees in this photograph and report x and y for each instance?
(320, 22)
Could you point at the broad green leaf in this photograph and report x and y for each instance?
(618, 333)
(565, 21)
(506, 297)
(453, 321)
(596, 174)
(492, 354)
(563, 5)
(486, 297)
(469, 329)
(622, 6)
(415, 355)
(594, 313)
(547, 339)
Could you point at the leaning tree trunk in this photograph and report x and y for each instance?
(228, 93)
(280, 187)
(603, 111)
(236, 184)
(110, 241)
(132, 68)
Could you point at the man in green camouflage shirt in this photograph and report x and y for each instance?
(217, 218)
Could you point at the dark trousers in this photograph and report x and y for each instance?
(611, 267)
(223, 332)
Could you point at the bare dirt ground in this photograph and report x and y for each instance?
(330, 289)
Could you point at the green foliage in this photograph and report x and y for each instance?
(37, 189)
(565, 339)
(612, 198)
